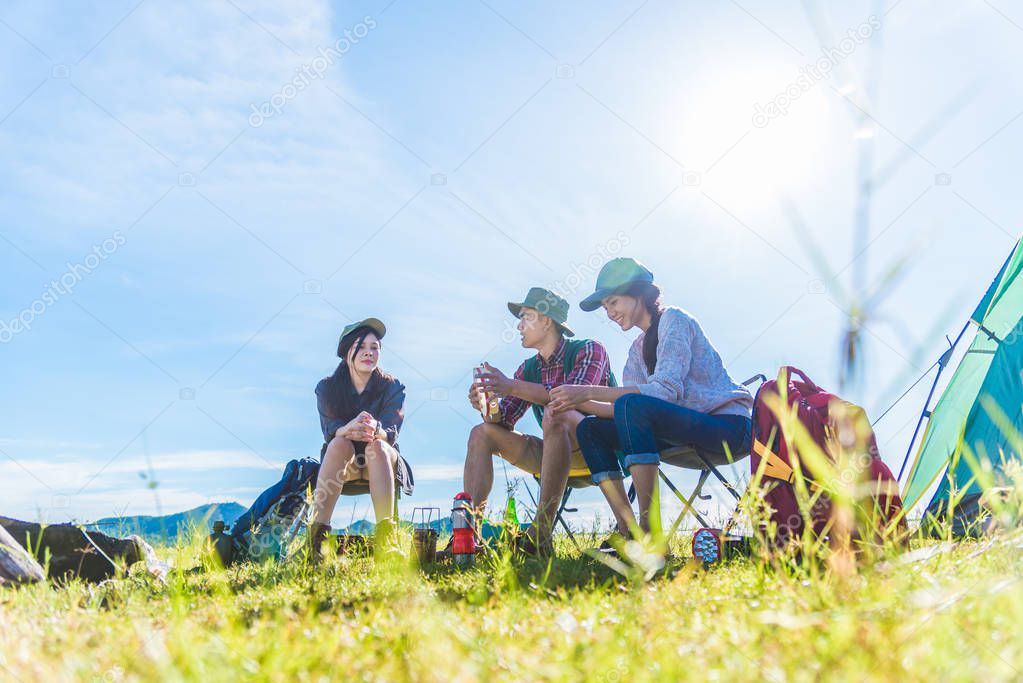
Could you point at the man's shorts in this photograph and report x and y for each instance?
(534, 456)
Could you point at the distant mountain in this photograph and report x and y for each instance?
(442, 525)
(364, 527)
(169, 526)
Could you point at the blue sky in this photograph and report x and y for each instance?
(447, 157)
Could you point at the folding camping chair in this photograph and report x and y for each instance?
(577, 479)
(355, 487)
(360, 487)
(685, 457)
(691, 458)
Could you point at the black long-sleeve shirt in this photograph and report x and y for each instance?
(385, 403)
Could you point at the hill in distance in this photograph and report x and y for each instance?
(169, 526)
(364, 527)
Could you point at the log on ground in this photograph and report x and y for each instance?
(16, 565)
(67, 553)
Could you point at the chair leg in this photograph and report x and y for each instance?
(724, 482)
(561, 519)
(687, 504)
(728, 487)
(294, 530)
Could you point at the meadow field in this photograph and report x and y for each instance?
(942, 612)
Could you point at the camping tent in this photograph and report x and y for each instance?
(980, 412)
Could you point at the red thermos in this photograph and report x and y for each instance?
(463, 546)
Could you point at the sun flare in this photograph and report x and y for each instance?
(756, 135)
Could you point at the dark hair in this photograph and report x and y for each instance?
(337, 394)
(650, 295)
(353, 339)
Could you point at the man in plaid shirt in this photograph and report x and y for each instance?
(543, 318)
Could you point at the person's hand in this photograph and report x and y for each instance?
(567, 397)
(362, 428)
(476, 397)
(495, 381)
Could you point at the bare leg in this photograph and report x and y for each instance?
(485, 441)
(558, 443)
(381, 458)
(478, 475)
(614, 492)
(645, 479)
(330, 480)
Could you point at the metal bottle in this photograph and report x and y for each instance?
(463, 546)
(493, 404)
(220, 545)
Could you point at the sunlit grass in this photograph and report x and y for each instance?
(927, 611)
(951, 613)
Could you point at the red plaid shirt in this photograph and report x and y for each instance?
(592, 368)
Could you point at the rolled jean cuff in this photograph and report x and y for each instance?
(610, 475)
(642, 459)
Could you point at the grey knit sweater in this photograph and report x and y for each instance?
(689, 370)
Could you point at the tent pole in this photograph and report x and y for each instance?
(942, 364)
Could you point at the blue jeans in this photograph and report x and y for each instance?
(643, 426)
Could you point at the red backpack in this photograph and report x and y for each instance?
(828, 420)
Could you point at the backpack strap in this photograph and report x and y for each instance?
(572, 349)
(531, 373)
(776, 468)
(790, 370)
(531, 370)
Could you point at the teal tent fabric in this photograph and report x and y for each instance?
(992, 369)
(986, 440)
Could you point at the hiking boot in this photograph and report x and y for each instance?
(526, 545)
(317, 535)
(385, 539)
(445, 554)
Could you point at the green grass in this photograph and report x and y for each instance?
(954, 615)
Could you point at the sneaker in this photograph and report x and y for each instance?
(606, 548)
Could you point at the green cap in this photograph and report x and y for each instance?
(546, 303)
(614, 278)
(373, 323)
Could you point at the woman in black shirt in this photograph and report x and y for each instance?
(361, 412)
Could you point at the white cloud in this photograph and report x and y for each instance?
(425, 473)
(198, 461)
(78, 488)
(92, 505)
(47, 444)
(179, 461)
(188, 93)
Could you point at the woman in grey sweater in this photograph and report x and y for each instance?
(676, 393)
